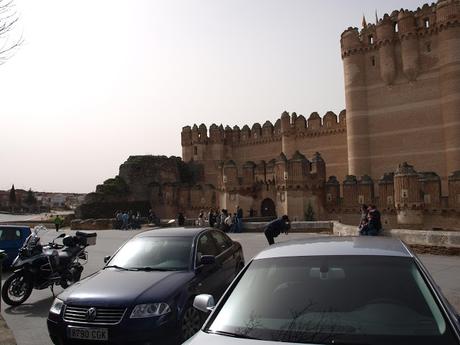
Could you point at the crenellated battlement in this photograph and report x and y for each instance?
(400, 25)
(294, 125)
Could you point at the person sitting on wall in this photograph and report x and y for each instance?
(275, 227)
(362, 227)
(374, 224)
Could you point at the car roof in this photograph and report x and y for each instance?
(173, 232)
(8, 226)
(346, 245)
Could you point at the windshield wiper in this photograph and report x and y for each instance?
(233, 335)
(149, 269)
(119, 267)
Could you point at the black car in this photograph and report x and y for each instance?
(145, 292)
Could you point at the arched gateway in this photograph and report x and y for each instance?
(268, 208)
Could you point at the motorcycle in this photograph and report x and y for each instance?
(39, 267)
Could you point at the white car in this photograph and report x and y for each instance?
(347, 290)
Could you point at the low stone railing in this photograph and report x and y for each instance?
(448, 239)
(313, 227)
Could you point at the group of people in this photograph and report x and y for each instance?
(126, 220)
(222, 219)
(370, 224)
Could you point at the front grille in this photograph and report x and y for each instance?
(104, 316)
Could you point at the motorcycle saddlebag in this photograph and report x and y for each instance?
(86, 238)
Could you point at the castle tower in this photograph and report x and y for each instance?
(365, 190)
(186, 141)
(454, 191)
(407, 32)
(385, 36)
(288, 146)
(350, 192)
(332, 193)
(318, 166)
(356, 103)
(430, 184)
(447, 20)
(408, 196)
(216, 142)
(386, 192)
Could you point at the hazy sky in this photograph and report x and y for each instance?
(97, 81)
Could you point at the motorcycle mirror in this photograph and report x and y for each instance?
(106, 258)
(61, 235)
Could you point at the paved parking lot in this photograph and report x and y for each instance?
(28, 322)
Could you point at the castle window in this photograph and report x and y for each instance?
(395, 27)
(373, 60)
(371, 39)
(389, 200)
(195, 150)
(426, 23)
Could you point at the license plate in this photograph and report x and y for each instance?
(86, 333)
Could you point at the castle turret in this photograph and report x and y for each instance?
(356, 103)
(186, 141)
(430, 185)
(230, 176)
(447, 21)
(386, 192)
(287, 137)
(216, 142)
(281, 171)
(198, 142)
(408, 196)
(350, 192)
(318, 166)
(332, 193)
(454, 190)
(385, 36)
(407, 32)
(365, 190)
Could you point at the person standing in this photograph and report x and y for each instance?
(211, 218)
(57, 222)
(275, 227)
(181, 219)
(239, 219)
(375, 223)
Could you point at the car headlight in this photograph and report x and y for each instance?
(56, 307)
(149, 310)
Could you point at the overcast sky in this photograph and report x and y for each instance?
(96, 81)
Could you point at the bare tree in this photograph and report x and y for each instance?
(8, 21)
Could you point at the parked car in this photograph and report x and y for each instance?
(145, 292)
(331, 291)
(12, 237)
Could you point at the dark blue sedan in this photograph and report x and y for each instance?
(145, 292)
(12, 238)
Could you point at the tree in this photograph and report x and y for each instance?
(8, 21)
(12, 198)
(30, 198)
(309, 213)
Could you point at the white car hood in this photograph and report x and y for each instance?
(202, 338)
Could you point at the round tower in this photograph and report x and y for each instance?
(356, 103)
(409, 44)
(385, 36)
(216, 141)
(408, 196)
(186, 142)
(447, 20)
(287, 137)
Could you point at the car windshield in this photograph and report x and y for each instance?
(154, 253)
(333, 300)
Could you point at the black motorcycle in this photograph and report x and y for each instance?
(39, 267)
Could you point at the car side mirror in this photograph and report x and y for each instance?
(208, 260)
(106, 258)
(204, 303)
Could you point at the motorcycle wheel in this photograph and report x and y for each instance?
(71, 277)
(16, 289)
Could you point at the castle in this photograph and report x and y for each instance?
(402, 87)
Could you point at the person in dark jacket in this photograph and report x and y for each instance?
(375, 223)
(275, 227)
